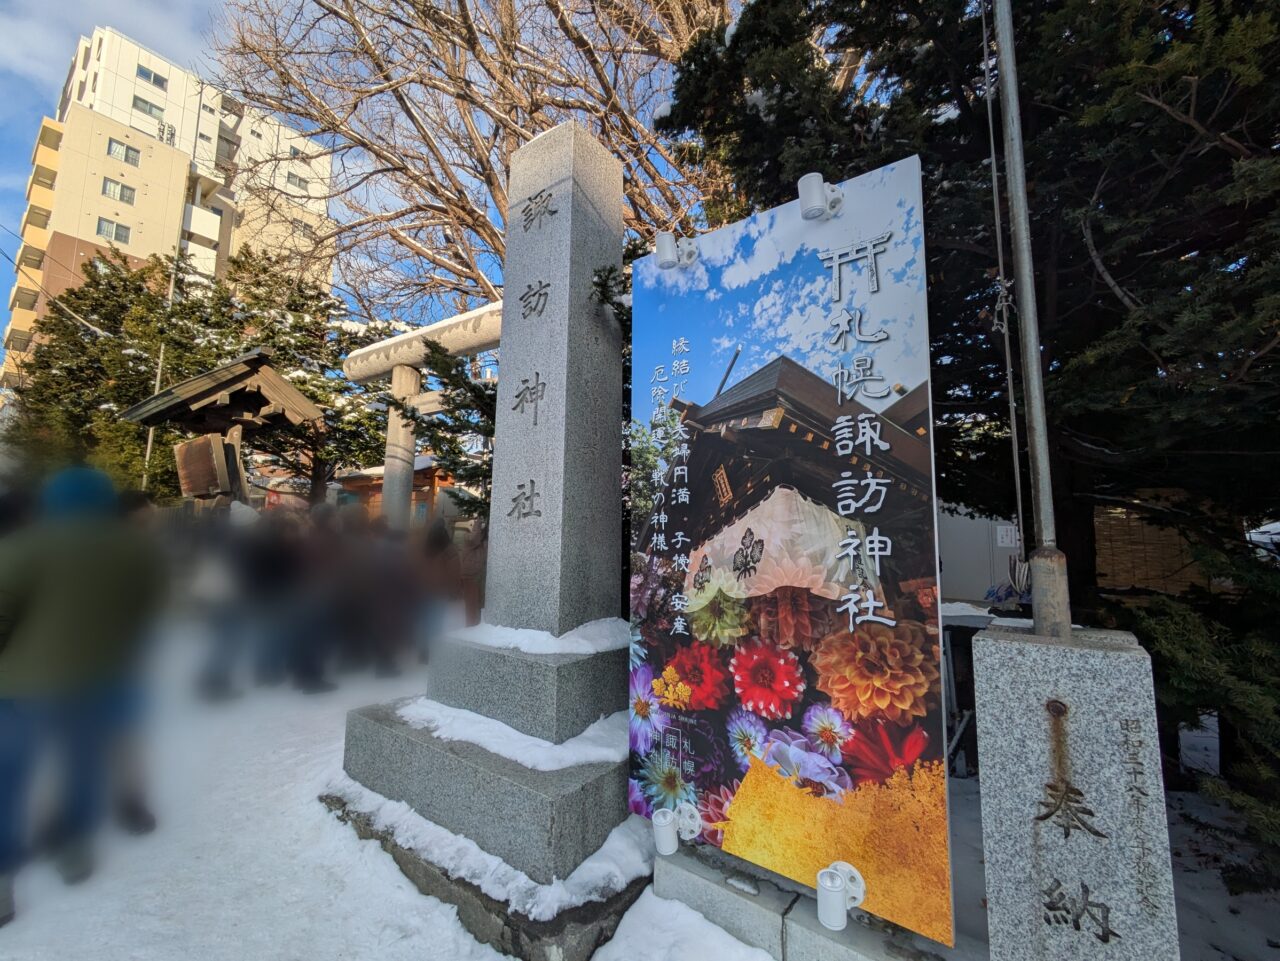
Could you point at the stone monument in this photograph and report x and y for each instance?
(555, 522)
(1073, 817)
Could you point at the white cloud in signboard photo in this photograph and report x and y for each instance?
(764, 278)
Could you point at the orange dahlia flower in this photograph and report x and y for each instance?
(879, 672)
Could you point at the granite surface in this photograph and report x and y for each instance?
(549, 696)
(554, 560)
(545, 823)
(1073, 816)
(573, 935)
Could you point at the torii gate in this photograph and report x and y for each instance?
(401, 359)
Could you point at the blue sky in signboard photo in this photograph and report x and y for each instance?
(761, 283)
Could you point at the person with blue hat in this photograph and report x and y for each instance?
(78, 587)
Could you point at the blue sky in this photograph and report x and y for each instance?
(761, 283)
(37, 41)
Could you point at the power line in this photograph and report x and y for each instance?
(53, 300)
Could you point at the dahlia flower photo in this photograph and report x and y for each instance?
(792, 754)
(768, 681)
(647, 716)
(663, 784)
(713, 806)
(879, 672)
(747, 735)
(698, 666)
(826, 729)
(874, 751)
(722, 622)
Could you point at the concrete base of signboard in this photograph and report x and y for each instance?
(573, 935)
(780, 918)
(545, 823)
(549, 696)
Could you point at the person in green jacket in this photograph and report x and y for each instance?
(78, 587)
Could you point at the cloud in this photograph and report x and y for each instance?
(38, 37)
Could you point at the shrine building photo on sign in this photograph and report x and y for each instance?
(786, 674)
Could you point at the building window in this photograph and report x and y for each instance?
(153, 78)
(118, 191)
(255, 133)
(207, 109)
(294, 153)
(206, 138)
(113, 231)
(295, 181)
(147, 107)
(121, 151)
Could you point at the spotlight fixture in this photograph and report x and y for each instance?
(840, 888)
(819, 200)
(675, 253)
(673, 825)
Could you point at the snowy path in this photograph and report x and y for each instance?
(246, 863)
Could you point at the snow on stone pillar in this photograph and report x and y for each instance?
(397, 477)
(556, 515)
(1074, 835)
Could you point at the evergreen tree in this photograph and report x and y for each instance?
(100, 343)
(460, 436)
(1154, 185)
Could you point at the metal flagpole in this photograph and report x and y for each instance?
(1051, 608)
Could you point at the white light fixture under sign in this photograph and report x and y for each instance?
(840, 888)
(671, 826)
(819, 200)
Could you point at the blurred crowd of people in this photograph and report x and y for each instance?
(87, 576)
(301, 597)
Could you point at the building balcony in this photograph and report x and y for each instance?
(46, 158)
(35, 234)
(40, 194)
(31, 258)
(50, 134)
(11, 373)
(204, 226)
(24, 294)
(204, 259)
(17, 340)
(23, 319)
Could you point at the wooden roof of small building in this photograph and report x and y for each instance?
(246, 392)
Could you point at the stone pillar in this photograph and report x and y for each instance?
(397, 477)
(1074, 833)
(557, 515)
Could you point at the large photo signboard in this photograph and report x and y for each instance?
(786, 667)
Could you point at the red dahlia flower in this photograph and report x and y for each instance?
(768, 680)
(700, 668)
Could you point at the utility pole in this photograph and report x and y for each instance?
(1050, 600)
(173, 278)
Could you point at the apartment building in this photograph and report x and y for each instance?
(146, 157)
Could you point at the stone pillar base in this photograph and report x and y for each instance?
(549, 696)
(572, 935)
(545, 823)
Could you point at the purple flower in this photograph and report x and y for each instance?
(637, 803)
(647, 716)
(747, 734)
(794, 757)
(827, 730)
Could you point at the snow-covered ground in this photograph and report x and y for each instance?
(247, 864)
